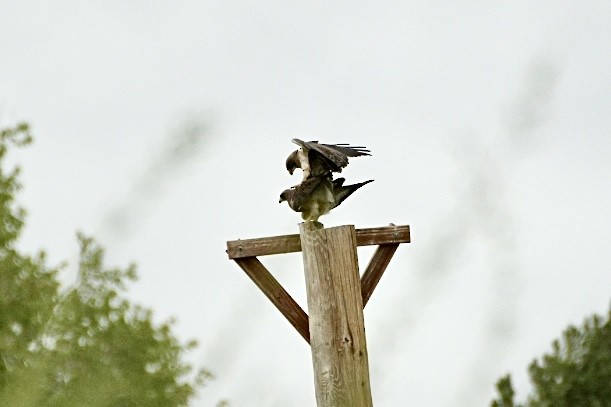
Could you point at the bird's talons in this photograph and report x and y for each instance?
(314, 224)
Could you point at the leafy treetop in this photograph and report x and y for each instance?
(86, 345)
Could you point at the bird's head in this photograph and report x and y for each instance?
(284, 196)
(292, 162)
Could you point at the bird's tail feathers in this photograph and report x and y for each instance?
(342, 192)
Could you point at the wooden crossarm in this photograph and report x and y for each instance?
(265, 246)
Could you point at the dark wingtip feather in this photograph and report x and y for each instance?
(346, 190)
(350, 151)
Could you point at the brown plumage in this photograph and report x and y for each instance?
(317, 195)
(316, 159)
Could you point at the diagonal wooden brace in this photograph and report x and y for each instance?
(276, 294)
(377, 265)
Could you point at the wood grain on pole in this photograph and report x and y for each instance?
(335, 307)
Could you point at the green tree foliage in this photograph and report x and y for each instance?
(577, 372)
(506, 393)
(86, 345)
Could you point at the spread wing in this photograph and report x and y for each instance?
(341, 191)
(333, 157)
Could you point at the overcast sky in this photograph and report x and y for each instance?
(162, 129)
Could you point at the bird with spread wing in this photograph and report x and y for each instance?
(316, 159)
(316, 196)
(318, 192)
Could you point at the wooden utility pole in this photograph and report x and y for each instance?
(336, 298)
(335, 305)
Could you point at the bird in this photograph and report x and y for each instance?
(317, 159)
(317, 195)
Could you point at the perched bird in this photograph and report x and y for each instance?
(317, 195)
(317, 159)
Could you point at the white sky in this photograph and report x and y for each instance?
(489, 126)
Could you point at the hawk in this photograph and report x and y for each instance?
(317, 159)
(317, 195)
